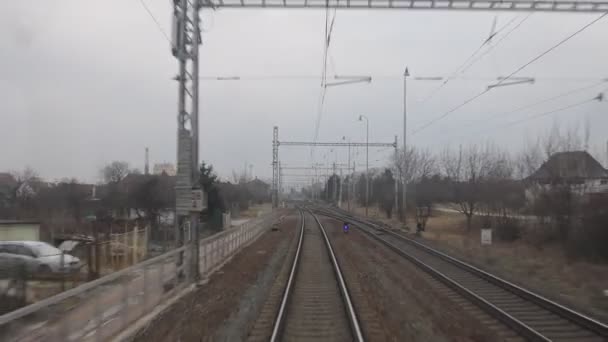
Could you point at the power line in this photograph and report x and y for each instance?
(376, 77)
(155, 21)
(326, 43)
(510, 75)
(457, 70)
(555, 46)
(561, 95)
(536, 116)
(492, 47)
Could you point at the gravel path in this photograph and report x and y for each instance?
(395, 300)
(224, 308)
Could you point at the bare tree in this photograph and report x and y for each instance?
(26, 185)
(529, 159)
(25, 182)
(470, 171)
(452, 163)
(558, 140)
(414, 164)
(115, 171)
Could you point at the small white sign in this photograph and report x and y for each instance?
(198, 202)
(486, 236)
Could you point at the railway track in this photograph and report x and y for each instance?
(316, 305)
(532, 316)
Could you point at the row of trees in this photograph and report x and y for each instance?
(123, 193)
(222, 196)
(485, 180)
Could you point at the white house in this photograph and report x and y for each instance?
(578, 169)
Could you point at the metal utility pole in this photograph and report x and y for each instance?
(275, 157)
(396, 200)
(404, 185)
(280, 192)
(350, 194)
(334, 187)
(361, 117)
(189, 198)
(275, 166)
(340, 193)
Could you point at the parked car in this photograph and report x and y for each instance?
(37, 256)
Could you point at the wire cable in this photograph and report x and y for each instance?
(457, 70)
(492, 47)
(517, 122)
(554, 47)
(329, 26)
(160, 28)
(429, 123)
(558, 96)
(323, 91)
(536, 116)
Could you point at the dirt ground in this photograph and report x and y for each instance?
(394, 299)
(255, 210)
(545, 270)
(225, 307)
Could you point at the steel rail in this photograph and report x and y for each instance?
(577, 318)
(515, 324)
(352, 314)
(353, 320)
(280, 320)
(567, 313)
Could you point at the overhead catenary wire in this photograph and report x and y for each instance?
(555, 97)
(534, 116)
(536, 58)
(329, 26)
(555, 46)
(492, 47)
(539, 115)
(376, 77)
(160, 28)
(452, 75)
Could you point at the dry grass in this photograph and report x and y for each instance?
(377, 214)
(548, 270)
(254, 210)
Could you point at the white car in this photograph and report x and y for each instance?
(37, 256)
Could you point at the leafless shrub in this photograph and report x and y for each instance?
(508, 229)
(589, 238)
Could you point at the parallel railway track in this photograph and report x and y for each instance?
(532, 316)
(316, 305)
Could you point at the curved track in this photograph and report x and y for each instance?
(530, 315)
(316, 305)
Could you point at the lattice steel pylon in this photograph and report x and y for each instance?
(582, 6)
(186, 40)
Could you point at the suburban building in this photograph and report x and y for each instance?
(166, 168)
(18, 230)
(577, 169)
(259, 190)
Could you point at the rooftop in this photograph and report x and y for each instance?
(570, 165)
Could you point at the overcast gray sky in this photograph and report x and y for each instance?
(83, 83)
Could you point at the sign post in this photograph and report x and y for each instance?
(486, 236)
(198, 201)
